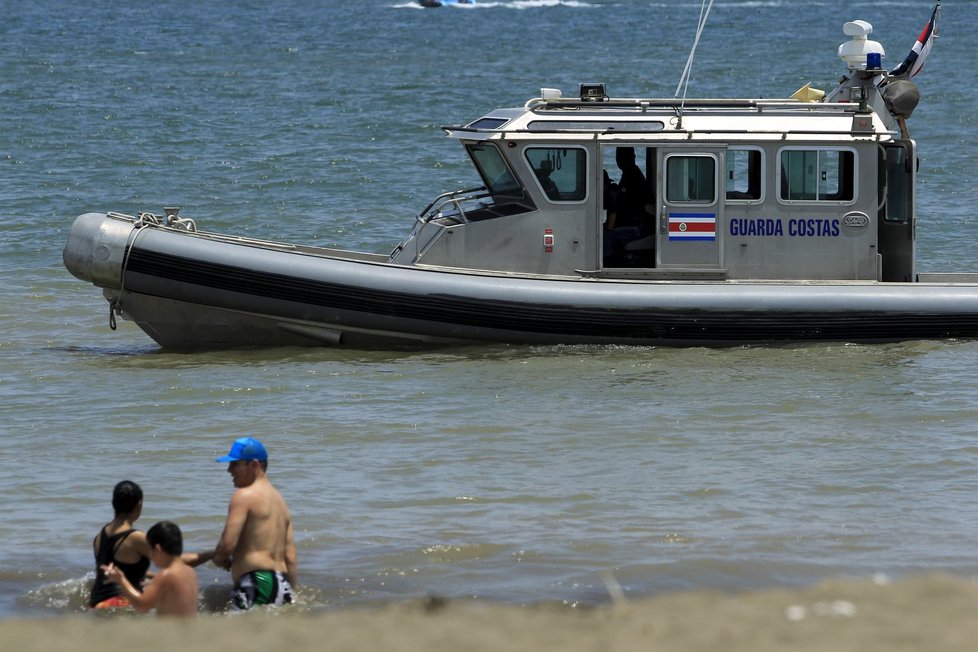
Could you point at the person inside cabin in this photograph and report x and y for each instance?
(633, 191)
(543, 174)
(627, 203)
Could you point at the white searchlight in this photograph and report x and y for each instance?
(861, 53)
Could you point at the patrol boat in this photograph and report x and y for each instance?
(734, 221)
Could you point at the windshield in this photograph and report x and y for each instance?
(493, 170)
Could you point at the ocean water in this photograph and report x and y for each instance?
(503, 473)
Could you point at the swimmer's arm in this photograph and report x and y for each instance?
(194, 559)
(138, 539)
(139, 542)
(142, 602)
(237, 516)
(291, 558)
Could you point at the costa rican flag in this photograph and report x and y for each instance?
(915, 60)
(693, 226)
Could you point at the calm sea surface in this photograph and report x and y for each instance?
(517, 474)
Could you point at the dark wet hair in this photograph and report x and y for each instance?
(126, 496)
(167, 534)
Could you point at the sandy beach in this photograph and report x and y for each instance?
(932, 613)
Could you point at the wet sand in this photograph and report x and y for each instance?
(932, 613)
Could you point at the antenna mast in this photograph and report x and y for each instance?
(684, 79)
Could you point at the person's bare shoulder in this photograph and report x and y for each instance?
(135, 545)
(179, 575)
(243, 497)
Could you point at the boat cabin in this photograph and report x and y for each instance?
(715, 189)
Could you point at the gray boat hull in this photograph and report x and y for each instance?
(195, 291)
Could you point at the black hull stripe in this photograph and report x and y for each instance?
(565, 323)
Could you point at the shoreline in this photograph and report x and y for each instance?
(927, 612)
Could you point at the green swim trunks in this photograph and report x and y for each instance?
(261, 587)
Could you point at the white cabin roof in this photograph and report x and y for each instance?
(720, 120)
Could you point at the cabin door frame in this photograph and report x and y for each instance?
(691, 196)
(897, 218)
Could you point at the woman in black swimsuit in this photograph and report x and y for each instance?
(120, 544)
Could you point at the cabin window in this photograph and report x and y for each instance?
(488, 123)
(744, 174)
(560, 171)
(691, 179)
(492, 168)
(817, 175)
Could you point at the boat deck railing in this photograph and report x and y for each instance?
(653, 115)
(454, 199)
(453, 203)
(672, 104)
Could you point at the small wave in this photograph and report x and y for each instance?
(66, 596)
(71, 596)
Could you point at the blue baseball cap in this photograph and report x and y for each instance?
(246, 448)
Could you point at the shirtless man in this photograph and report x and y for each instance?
(256, 545)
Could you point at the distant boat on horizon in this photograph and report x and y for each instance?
(444, 3)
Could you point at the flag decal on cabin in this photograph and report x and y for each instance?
(693, 226)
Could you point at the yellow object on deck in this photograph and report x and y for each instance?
(808, 94)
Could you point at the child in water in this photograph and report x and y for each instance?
(173, 590)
